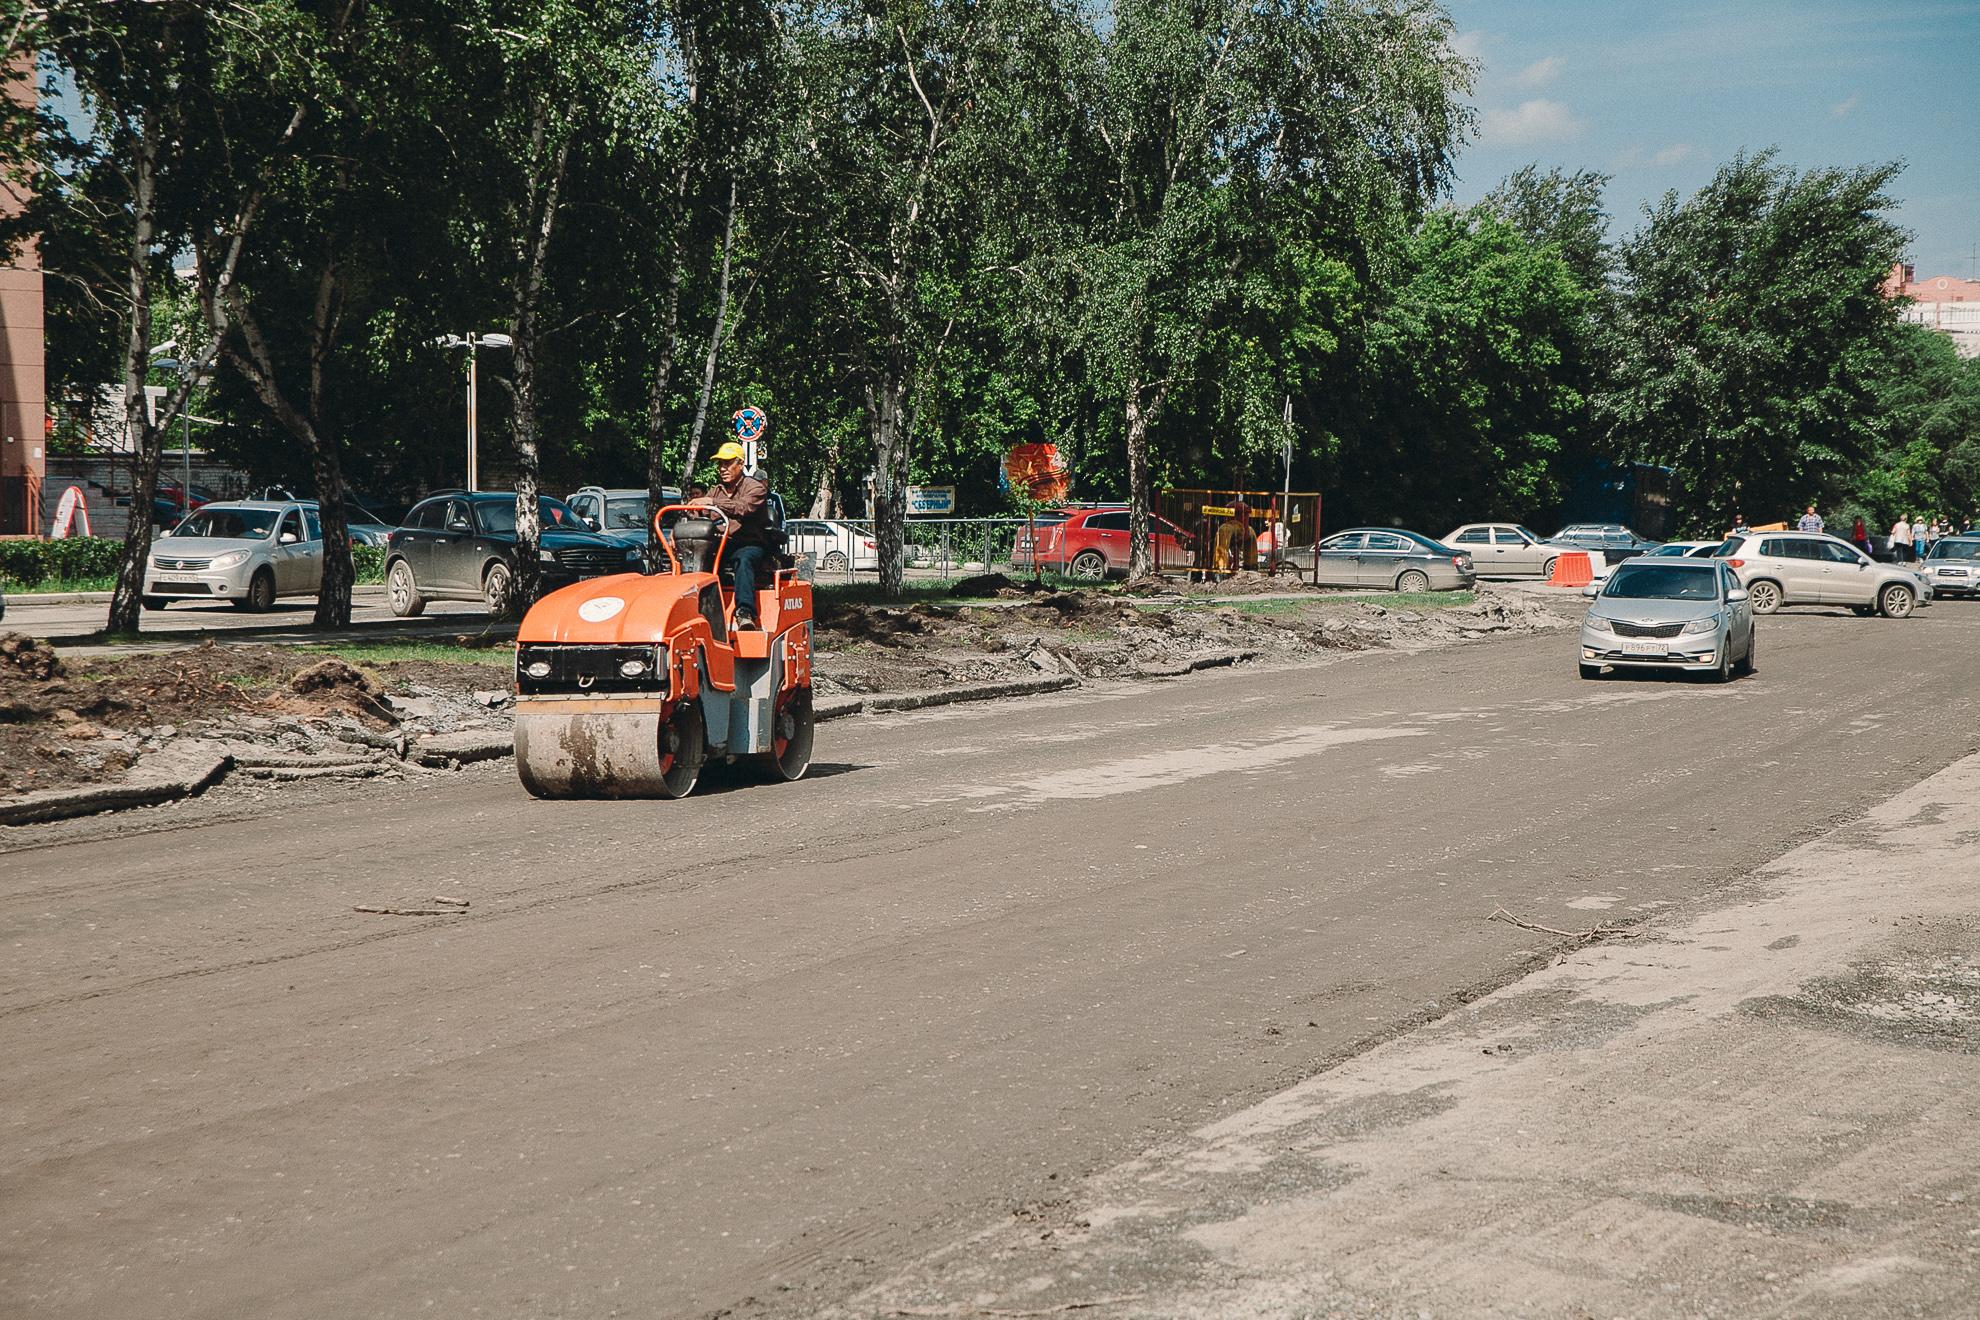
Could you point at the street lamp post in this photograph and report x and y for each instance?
(471, 342)
(184, 369)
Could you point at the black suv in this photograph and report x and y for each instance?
(462, 546)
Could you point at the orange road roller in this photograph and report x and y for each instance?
(627, 686)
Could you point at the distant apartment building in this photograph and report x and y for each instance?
(23, 379)
(1948, 305)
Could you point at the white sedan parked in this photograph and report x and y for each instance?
(832, 546)
(245, 553)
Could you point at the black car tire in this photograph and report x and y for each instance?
(1896, 601)
(1088, 566)
(402, 590)
(1724, 672)
(1765, 595)
(1591, 671)
(1413, 581)
(495, 592)
(1746, 665)
(260, 596)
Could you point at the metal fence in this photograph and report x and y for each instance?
(942, 547)
(1223, 531)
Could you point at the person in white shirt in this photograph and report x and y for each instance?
(1901, 540)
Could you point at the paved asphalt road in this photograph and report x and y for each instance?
(741, 1054)
(73, 618)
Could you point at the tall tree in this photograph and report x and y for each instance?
(1213, 128)
(1562, 210)
(1749, 324)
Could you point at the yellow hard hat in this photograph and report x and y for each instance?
(729, 451)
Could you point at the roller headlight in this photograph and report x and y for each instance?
(632, 668)
(232, 559)
(538, 669)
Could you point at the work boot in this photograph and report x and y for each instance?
(745, 619)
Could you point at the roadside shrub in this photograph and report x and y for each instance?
(369, 561)
(71, 559)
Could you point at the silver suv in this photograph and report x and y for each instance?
(1809, 568)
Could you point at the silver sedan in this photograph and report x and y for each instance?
(1504, 550)
(1391, 559)
(1669, 613)
(246, 553)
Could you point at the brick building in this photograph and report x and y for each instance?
(1948, 305)
(23, 382)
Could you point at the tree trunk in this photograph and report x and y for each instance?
(883, 408)
(146, 439)
(522, 385)
(333, 595)
(714, 342)
(824, 497)
(663, 372)
(1141, 560)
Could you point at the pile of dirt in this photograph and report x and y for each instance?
(22, 655)
(59, 727)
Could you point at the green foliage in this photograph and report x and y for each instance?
(1748, 331)
(369, 563)
(31, 564)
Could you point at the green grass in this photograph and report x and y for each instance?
(57, 586)
(384, 653)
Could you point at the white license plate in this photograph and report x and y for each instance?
(186, 578)
(1643, 648)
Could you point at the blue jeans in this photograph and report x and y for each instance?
(748, 561)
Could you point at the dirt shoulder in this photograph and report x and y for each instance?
(69, 720)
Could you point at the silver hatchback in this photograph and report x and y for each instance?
(1669, 613)
(246, 553)
(1810, 568)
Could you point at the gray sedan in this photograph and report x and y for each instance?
(1688, 614)
(1505, 550)
(1391, 559)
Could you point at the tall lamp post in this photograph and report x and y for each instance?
(471, 342)
(184, 369)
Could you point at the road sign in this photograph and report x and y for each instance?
(931, 500)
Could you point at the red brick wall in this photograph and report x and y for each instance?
(23, 381)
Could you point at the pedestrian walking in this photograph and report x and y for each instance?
(1810, 521)
(1901, 540)
(1921, 537)
(1859, 535)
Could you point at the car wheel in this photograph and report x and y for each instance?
(156, 602)
(497, 591)
(1547, 569)
(1413, 582)
(1088, 566)
(1765, 595)
(1591, 671)
(1724, 672)
(835, 561)
(1895, 601)
(1746, 665)
(260, 593)
(402, 590)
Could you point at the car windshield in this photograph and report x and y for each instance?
(230, 524)
(1729, 547)
(1956, 550)
(1663, 582)
(627, 514)
(498, 517)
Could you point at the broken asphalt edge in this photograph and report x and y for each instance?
(447, 750)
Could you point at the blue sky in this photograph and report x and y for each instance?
(1659, 95)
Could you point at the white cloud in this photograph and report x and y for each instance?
(1471, 44)
(1539, 73)
(1538, 120)
(1841, 108)
(1675, 154)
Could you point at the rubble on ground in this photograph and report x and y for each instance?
(284, 714)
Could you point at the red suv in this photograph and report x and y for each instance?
(1089, 544)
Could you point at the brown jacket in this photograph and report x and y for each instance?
(748, 504)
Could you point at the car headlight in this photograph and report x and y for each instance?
(1705, 625)
(232, 559)
(1598, 623)
(635, 555)
(547, 556)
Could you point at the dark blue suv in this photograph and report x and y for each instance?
(462, 546)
